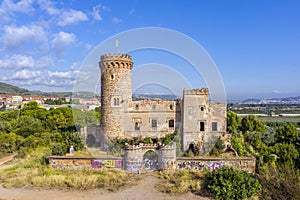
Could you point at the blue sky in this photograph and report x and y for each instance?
(255, 44)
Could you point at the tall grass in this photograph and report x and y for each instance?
(181, 182)
(32, 172)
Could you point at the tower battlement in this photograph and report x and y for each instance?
(115, 61)
(200, 91)
(115, 57)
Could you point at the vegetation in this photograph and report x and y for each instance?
(118, 144)
(58, 101)
(276, 149)
(228, 183)
(35, 172)
(181, 181)
(10, 89)
(22, 131)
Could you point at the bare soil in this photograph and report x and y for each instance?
(144, 189)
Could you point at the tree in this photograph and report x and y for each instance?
(288, 134)
(233, 122)
(228, 183)
(251, 123)
(31, 105)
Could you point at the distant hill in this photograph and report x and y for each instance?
(285, 100)
(10, 89)
(154, 96)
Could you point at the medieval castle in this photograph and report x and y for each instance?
(193, 114)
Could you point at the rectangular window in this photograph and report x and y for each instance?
(214, 126)
(202, 128)
(171, 123)
(154, 123)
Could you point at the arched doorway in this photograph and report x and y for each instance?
(90, 140)
(150, 160)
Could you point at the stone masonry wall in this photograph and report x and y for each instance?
(133, 161)
(116, 93)
(84, 162)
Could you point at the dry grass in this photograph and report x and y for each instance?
(32, 174)
(181, 182)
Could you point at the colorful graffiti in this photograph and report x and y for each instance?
(134, 167)
(106, 163)
(79, 163)
(149, 164)
(198, 165)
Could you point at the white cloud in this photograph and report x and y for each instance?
(44, 61)
(41, 78)
(61, 40)
(48, 6)
(25, 75)
(15, 37)
(18, 61)
(96, 12)
(116, 20)
(71, 17)
(67, 75)
(23, 6)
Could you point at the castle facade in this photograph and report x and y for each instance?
(121, 116)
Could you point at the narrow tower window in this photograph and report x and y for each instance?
(112, 77)
(202, 128)
(116, 101)
(171, 123)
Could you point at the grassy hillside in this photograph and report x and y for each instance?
(10, 89)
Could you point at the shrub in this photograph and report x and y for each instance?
(280, 182)
(228, 183)
(58, 150)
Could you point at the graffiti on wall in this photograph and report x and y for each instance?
(106, 163)
(134, 166)
(149, 164)
(198, 165)
(85, 163)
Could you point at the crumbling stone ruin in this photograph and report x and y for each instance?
(193, 115)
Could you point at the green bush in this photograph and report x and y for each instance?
(58, 150)
(228, 183)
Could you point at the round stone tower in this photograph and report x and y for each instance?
(116, 93)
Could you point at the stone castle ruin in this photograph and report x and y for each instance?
(193, 115)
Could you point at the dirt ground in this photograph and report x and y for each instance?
(143, 190)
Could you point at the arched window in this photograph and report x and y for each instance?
(116, 101)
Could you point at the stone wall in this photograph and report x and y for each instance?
(244, 163)
(133, 161)
(84, 162)
(134, 156)
(202, 121)
(142, 113)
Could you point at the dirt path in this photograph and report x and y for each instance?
(143, 190)
(7, 159)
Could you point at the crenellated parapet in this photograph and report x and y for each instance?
(150, 146)
(115, 61)
(200, 91)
